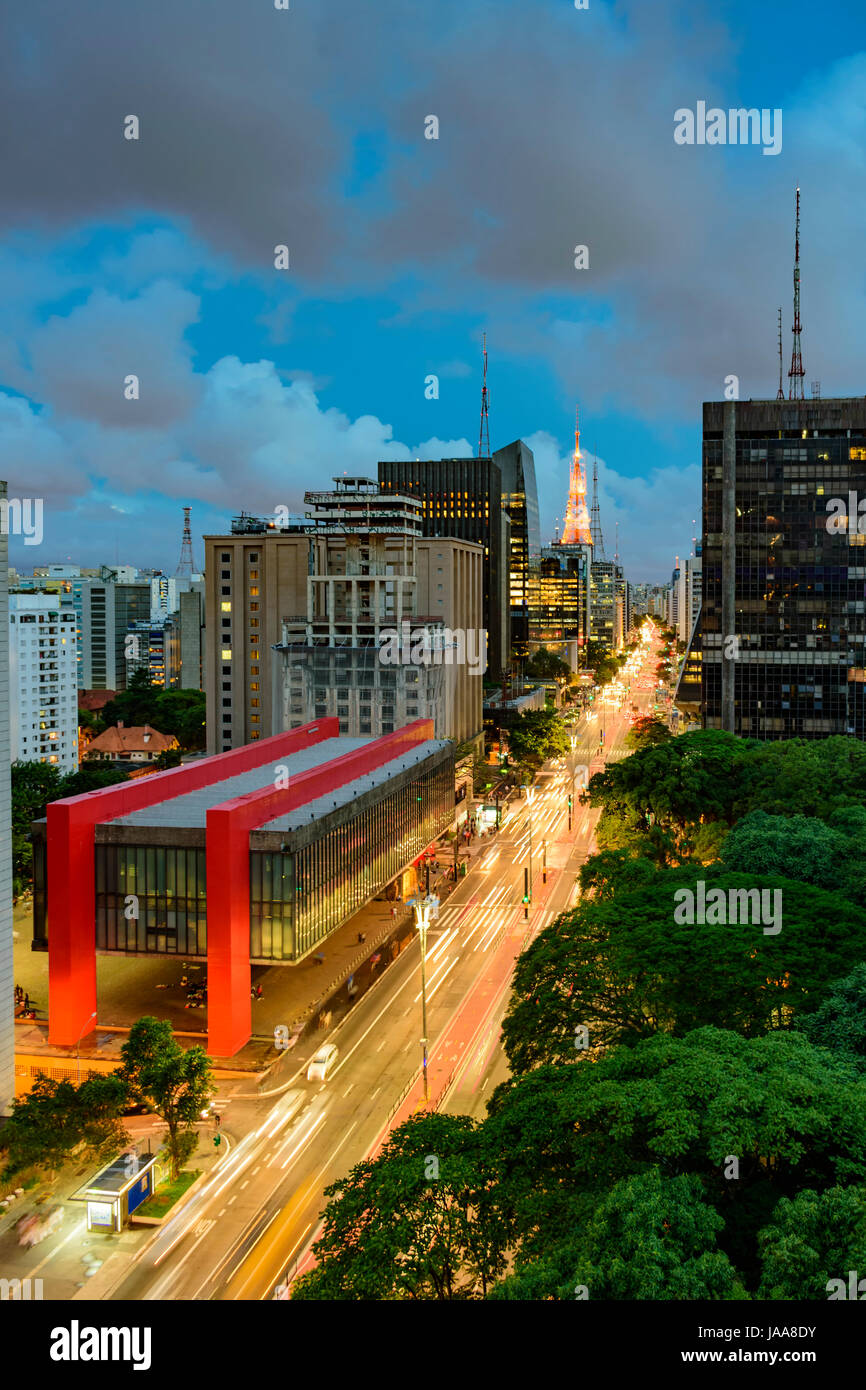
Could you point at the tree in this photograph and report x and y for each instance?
(175, 1082)
(650, 1237)
(623, 967)
(90, 777)
(813, 1238)
(647, 732)
(170, 757)
(756, 1119)
(57, 1118)
(546, 665)
(615, 870)
(840, 1022)
(180, 713)
(795, 846)
(535, 736)
(419, 1221)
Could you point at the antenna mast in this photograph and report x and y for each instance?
(796, 374)
(484, 432)
(186, 568)
(780, 394)
(595, 515)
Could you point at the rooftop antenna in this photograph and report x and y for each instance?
(780, 394)
(616, 545)
(577, 528)
(595, 514)
(484, 432)
(796, 374)
(186, 567)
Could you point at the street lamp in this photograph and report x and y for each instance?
(78, 1048)
(529, 795)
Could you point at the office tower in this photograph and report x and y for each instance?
(464, 498)
(43, 693)
(605, 577)
(520, 499)
(559, 610)
(192, 631)
(7, 984)
(783, 626)
(105, 609)
(154, 647)
(291, 609)
(693, 588)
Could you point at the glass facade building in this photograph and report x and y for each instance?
(559, 595)
(783, 618)
(151, 894)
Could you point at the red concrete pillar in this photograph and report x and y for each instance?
(229, 976)
(71, 931)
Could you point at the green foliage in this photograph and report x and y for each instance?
(840, 1022)
(794, 846)
(624, 968)
(793, 1116)
(419, 1221)
(175, 1082)
(534, 737)
(34, 784)
(647, 732)
(546, 665)
(57, 1118)
(180, 713)
(816, 1237)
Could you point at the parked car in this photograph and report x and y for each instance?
(322, 1063)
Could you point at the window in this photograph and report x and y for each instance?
(254, 590)
(254, 703)
(226, 653)
(225, 607)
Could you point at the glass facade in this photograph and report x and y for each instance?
(297, 895)
(797, 642)
(165, 886)
(558, 597)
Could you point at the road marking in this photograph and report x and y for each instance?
(348, 1089)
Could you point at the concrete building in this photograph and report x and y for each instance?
(254, 856)
(191, 618)
(783, 618)
(295, 616)
(465, 499)
(105, 609)
(7, 982)
(43, 693)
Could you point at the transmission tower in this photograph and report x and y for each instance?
(186, 568)
(577, 528)
(780, 394)
(595, 517)
(484, 432)
(796, 374)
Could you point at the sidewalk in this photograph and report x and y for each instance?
(292, 995)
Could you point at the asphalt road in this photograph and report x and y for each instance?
(255, 1218)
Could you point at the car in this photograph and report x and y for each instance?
(322, 1063)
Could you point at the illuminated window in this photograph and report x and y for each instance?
(254, 685)
(254, 622)
(225, 608)
(254, 608)
(254, 718)
(254, 704)
(254, 655)
(254, 574)
(254, 670)
(254, 590)
(226, 653)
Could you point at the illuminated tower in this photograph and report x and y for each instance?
(797, 371)
(577, 526)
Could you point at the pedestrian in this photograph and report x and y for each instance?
(394, 912)
(258, 991)
(26, 1002)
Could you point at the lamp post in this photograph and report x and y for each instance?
(422, 921)
(78, 1048)
(529, 794)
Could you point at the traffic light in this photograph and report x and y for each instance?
(526, 892)
(216, 1140)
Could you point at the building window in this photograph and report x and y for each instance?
(226, 653)
(225, 607)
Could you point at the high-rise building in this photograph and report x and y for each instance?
(493, 503)
(295, 615)
(192, 632)
(43, 693)
(559, 596)
(605, 578)
(783, 619)
(105, 608)
(7, 985)
(154, 647)
(520, 499)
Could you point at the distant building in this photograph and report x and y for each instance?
(137, 744)
(43, 694)
(605, 628)
(783, 618)
(559, 598)
(105, 609)
(154, 647)
(7, 1008)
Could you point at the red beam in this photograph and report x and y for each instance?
(70, 856)
(228, 874)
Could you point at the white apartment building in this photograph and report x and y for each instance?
(43, 685)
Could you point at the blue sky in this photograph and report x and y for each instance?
(306, 128)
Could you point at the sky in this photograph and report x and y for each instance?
(305, 128)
